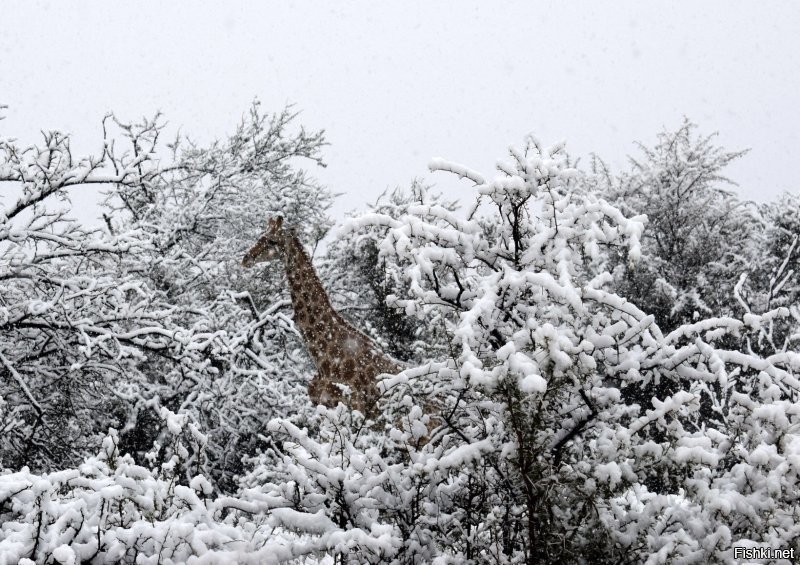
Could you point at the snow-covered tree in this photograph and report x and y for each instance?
(699, 235)
(363, 285)
(104, 327)
(773, 279)
(199, 218)
(523, 447)
(75, 329)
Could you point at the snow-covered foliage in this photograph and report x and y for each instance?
(199, 217)
(773, 280)
(362, 284)
(566, 414)
(103, 327)
(540, 407)
(76, 329)
(111, 510)
(699, 237)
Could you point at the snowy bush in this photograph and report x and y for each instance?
(362, 283)
(699, 236)
(199, 217)
(75, 327)
(773, 281)
(108, 509)
(111, 510)
(556, 420)
(541, 448)
(102, 327)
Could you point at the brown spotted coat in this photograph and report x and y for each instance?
(341, 353)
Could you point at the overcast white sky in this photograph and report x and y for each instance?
(395, 84)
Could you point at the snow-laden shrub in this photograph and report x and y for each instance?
(110, 509)
(198, 217)
(567, 427)
(75, 330)
(699, 236)
(103, 326)
(359, 281)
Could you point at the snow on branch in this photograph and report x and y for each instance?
(439, 164)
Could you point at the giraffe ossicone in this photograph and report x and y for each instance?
(342, 354)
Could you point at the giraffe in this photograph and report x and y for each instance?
(341, 353)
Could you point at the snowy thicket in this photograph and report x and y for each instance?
(103, 327)
(604, 368)
(75, 326)
(362, 284)
(774, 278)
(538, 447)
(198, 218)
(700, 237)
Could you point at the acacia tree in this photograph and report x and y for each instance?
(534, 453)
(74, 329)
(199, 218)
(490, 475)
(699, 235)
(364, 285)
(104, 327)
(773, 281)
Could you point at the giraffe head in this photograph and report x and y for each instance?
(269, 246)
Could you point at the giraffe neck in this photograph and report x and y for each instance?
(313, 313)
(341, 354)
